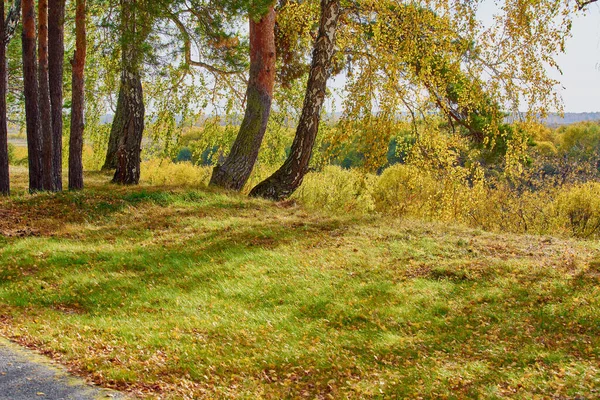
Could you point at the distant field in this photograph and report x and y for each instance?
(169, 292)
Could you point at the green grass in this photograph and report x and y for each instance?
(184, 293)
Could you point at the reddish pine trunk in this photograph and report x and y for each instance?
(30, 83)
(235, 171)
(77, 110)
(129, 150)
(56, 54)
(289, 177)
(44, 97)
(4, 171)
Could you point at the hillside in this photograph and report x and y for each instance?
(177, 292)
(571, 118)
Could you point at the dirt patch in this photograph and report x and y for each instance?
(20, 232)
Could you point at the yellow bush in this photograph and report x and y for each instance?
(502, 208)
(90, 162)
(260, 172)
(18, 155)
(404, 190)
(337, 189)
(454, 195)
(165, 172)
(578, 209)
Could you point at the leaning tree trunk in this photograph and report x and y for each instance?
(77, 108)
(287, 178)
(116, 132)
(235, 171)
(44, 98)
(30, 84)
(56, 55)
(129, 151)
(4, 172)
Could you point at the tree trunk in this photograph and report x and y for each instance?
(7, 30)
(44, 98)
(56, 55)
(116, 133)
(235, 171)
(129, 151)
(77, 108)
(30, 83)
(289, 177)
(130, 144)
(4, 171)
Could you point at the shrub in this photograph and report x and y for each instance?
(185, 154)
(11, 153)
(402, 190)
(165, 172)
(17, 155)
(578, 209)
(337, 189)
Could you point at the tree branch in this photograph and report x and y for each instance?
(187, 45)
(582, 4)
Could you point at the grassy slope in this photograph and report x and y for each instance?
(177, 293)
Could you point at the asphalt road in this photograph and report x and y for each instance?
(25, 375)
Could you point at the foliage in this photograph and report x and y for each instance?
(337, 189)
(403, 190)
(11, 154)
(579, 141)
(579, 208)
(163, 172)
(17, 155)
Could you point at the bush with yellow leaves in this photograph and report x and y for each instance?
(404, 190)
(165, 172)
(456, 195)
(338, 189)
(578, 209)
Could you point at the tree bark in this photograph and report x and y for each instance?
(235, 171)
(129, 151)
(4, 169)
(44, 98)
(289, 177)
(7, 30)
(56, 54)
(30, 83)
(78, 102)
(116, 132)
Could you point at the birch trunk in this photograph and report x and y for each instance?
(116, 132)
(129, 150)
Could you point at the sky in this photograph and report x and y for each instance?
(581, 64)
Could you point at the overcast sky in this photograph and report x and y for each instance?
(581, 64)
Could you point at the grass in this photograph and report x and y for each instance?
(189, 293)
